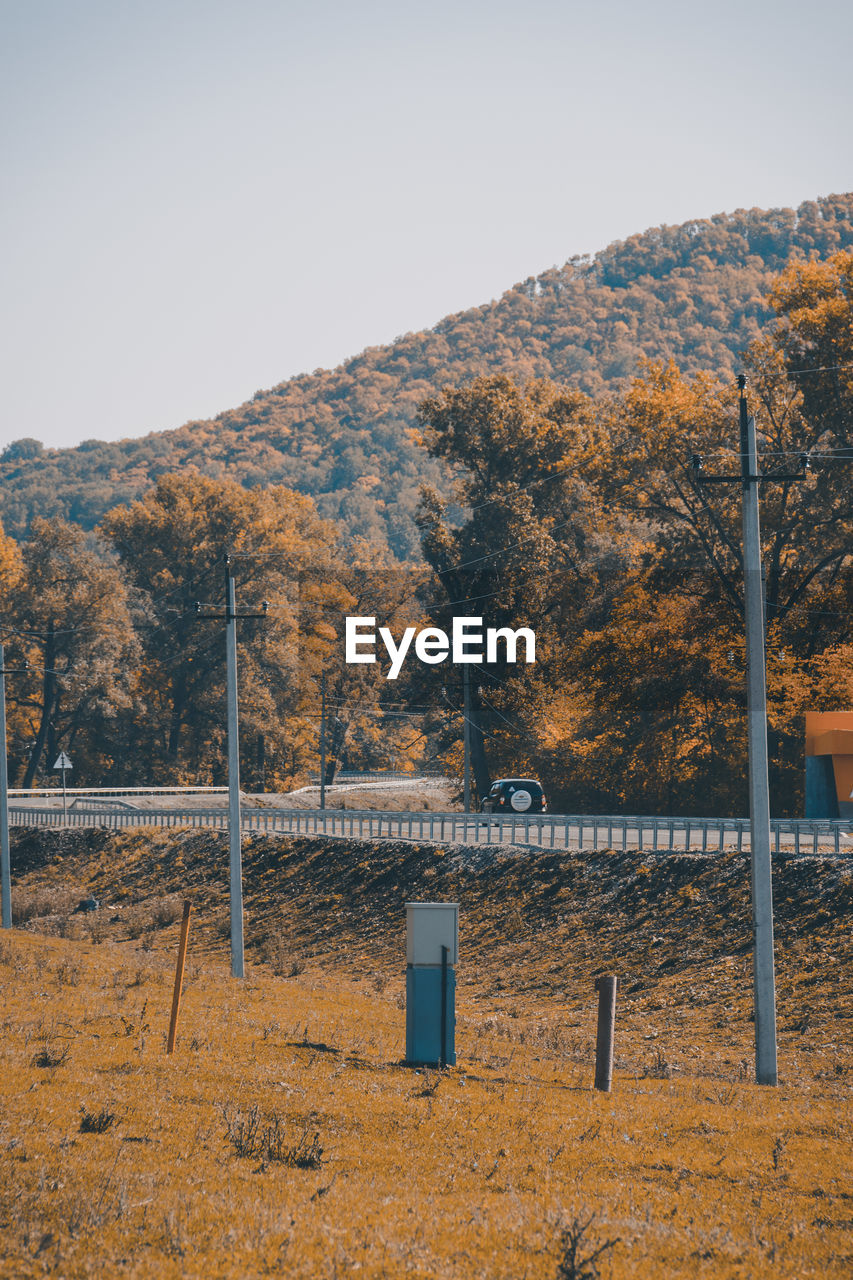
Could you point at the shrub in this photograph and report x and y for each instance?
(96, 1121)
(51, 1055)
(578, 1259)
(252, 1135)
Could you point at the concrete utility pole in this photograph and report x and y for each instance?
(234, 832)
(764, 980)
(5, 858)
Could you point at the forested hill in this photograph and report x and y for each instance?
(694, 293)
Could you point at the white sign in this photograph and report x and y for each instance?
(63, 762)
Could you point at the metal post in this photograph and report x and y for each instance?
(236, 895)
(64, 800)
(5, 859)
(466, 735)
(764, 982)
(606, 988)
(323, 741)
(444, 954)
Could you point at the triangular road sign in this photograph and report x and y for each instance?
(63, 762)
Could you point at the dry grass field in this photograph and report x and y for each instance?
(285, 1138)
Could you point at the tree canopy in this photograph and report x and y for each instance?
(694, 294)
(575, 512)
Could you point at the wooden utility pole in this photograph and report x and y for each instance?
(466, 735)
(323, 741)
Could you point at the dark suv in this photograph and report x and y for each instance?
(515, 795)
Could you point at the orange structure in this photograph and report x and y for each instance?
(829, 764)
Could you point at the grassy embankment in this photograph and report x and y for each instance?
(284, 1137)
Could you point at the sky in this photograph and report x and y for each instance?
(202, 198)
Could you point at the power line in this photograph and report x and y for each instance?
(518, 729)
(797, 373)
(466, 564)
(523, 488)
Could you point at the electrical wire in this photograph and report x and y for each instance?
(555, 475)
(466, 564)
(797, 373)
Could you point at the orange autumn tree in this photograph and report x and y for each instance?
(807, 530)
(813, 334)
(526, 542)
(71, 615)
(595, 531)
(172, 545)
(11, 573)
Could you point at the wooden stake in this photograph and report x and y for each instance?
(179, 977)
(606, 988)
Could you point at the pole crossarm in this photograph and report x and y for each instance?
(777, 477)
(237, 616)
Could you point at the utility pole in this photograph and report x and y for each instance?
(323, 741)
(466, 735)
(764, 980)
(234, 832)
(466, 732)
(5, 855)
(261, 762)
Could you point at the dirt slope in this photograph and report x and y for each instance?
(533, 924)
(285, 1137)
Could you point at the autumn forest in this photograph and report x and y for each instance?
(530, 462)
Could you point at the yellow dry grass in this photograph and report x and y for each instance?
(472, 1172)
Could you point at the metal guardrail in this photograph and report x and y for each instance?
(546, 831)
(108, 803)
(119, 791)
(343, 777)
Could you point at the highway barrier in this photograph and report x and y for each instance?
(542, 831)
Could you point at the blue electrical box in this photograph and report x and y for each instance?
(430, 991)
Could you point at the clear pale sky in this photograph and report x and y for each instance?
(201, 198)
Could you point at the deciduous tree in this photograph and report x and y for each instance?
(72, 614)
(173, 545)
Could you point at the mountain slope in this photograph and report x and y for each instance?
(693, 293)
